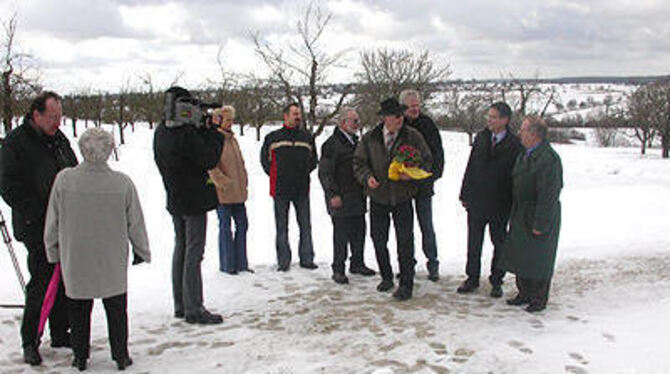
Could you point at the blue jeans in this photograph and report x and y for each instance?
(305, 246)
(424, 213)
(232, 250)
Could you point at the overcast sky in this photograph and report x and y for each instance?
(101, 44)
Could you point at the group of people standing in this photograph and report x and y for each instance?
(512, 184)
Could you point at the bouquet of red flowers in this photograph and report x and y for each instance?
(406, 160)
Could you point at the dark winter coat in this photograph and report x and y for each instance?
(537, 183)
(336, 173)
(29, 162)
(288, 156)
(431, 135)
(487, 183)
(371, 158)
(183, 156)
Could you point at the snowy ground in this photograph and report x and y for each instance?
(607, 313)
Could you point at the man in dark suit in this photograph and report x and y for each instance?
(423, 201)
(486, 194)
(345, 200)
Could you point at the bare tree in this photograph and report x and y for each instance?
(386, 72)
(301, 69)
(641, 114)
(20, 75)
(467, 110)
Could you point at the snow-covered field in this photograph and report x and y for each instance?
(608, 310)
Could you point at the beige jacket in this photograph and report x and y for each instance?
(230, 175)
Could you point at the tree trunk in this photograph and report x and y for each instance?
(74, 126)
(665, 143)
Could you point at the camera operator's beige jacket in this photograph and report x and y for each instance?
(230, 175)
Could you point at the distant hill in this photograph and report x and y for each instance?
(635, 80)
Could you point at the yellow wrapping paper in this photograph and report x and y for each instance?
(396, 168)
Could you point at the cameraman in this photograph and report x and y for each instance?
(183, 152)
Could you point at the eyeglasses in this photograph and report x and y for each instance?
(356, 121)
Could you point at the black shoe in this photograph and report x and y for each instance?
(496, 291)
(310, 266)
(385, 285)
(124, 363)
(229, 272)
(403, 293)
(283, 268)
(340, 278)
(79, 363)
(179, 314)
(204, 317)
(467, 286)
(63, 342)
(518, 300)
(31, 355)
(362, 270)
(434, 276)
(248, 270)
(532, 308)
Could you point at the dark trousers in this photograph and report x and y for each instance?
(535, 291)
(232, 249)
(403, 222)
(189, 248)
(424, 213)
(117, 326)
(40, 275)
(305, 246)
(348, 231)
(476, 226)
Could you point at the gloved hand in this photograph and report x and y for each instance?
(137, 259)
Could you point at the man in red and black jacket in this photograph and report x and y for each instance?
(288, 156)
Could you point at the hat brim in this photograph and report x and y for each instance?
(393, 111)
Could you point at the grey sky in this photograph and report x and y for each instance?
(103, 44)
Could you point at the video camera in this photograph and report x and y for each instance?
(183, 109)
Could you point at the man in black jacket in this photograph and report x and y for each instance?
(486, 194)
(288, 156)
(30, 158)
(183, 154)
(345, 200)
(423, 201)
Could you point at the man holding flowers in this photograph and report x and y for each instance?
(390, 193)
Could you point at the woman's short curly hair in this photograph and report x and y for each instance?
(96, 145)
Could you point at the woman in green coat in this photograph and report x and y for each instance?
(530, 249)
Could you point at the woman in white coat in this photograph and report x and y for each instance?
(93, 213)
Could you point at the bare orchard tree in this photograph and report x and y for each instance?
(520, 93)
(641, 115)
(301, 68)
(150, 106)
(20, 75)
(467, 110)
(386, 72)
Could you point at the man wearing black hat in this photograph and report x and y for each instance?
(389, 198)
(183, 153)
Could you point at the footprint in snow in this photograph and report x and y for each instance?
(579, 358)
(575, 370)
(520, 346)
